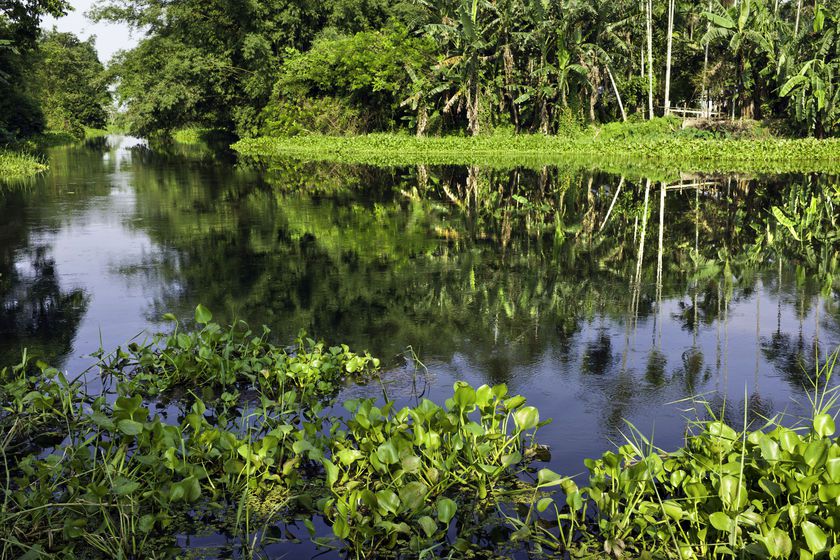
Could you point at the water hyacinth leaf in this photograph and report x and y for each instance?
(673, 510)
(130, 427)
(341, 528)
(202, 315)
(124, 486)
(147, 523)
(824, 425)
(543, 504)
(815, 454)
(428, 525)
(526, 418)
(387, 453)
(388, 501)
(411, 463)
(446, 509)
(332, 472)
(778, 543)
(832, 467)
(814, 536)
(732, 492)
(464, 397)
(413, 495)
(720, 521)
(514, 402)
(483, 396)
(770, 450)
(547, 478)
(512, 459)
(770, 487)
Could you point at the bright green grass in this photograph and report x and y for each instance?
(648, 153)
(17, 165)
(191, 135)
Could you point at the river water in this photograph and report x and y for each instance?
(604, 300)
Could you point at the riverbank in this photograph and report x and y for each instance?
(15, 165)
(18, 162)
(609, 148)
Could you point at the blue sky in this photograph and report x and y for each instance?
(109, 37)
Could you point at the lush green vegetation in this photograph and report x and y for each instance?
(349, 66)
(658, 148)
(256, 445)
(17, 164)
(52, 86)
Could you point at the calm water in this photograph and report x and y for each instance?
(549, 280)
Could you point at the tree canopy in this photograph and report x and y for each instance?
(471, 66)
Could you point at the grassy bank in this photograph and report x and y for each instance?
(16, 165)
(17, 162)
(658, 148)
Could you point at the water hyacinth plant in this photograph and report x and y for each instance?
(114, 475)
(401, 474)
(772, 492)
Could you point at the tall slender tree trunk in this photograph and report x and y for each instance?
(650, 56)
(422, 120)
(705, 95)
(473, 109)
(798, 12)
(617, 95)
(671, 9)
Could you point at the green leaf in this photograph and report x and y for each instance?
(543, 504)
(778, 543)
(147, 523)
(464, 397)
(388, 500)
(792, 84)
(130, 427)
(720, 21)
(785, 221)
(428, 525)
(413, 495)
(824, 425)
(202, 315)
(547, 478)
(387, 453)
(340, 528)
(446, 509)
(720, 521)
(814, 536)
(124, 486)
(526, 418)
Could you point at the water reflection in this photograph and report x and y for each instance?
(601, 297)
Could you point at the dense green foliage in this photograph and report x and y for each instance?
(70, 82)
(15, 164)
(46, 79)
(764, 493)
(255, 446)
(657, 148)
(347, 66)
(218, 70)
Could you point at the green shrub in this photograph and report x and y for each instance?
(325, 115)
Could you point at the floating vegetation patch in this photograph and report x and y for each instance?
(245, 440)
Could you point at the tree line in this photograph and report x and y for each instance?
(432, 66)
(48, 80)
(284, 67)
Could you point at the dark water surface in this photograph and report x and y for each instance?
(534, 278)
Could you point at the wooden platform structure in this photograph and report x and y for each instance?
(700, 114)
